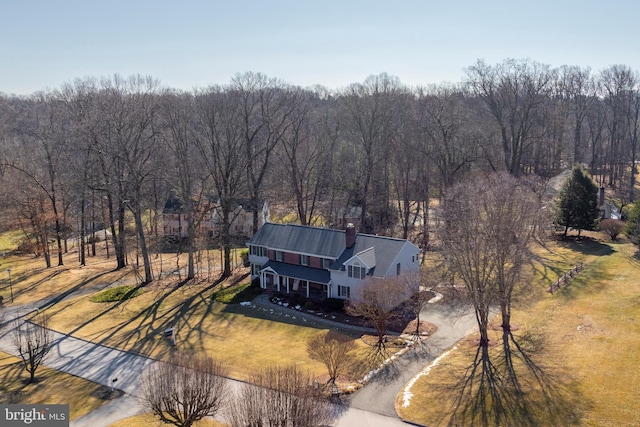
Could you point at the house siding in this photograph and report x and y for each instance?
(291, 258)
(319, 244)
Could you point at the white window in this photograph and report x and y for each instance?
(304, 259)
(279, 256)
(344, 291)
(356, 272)
(326, 263)
(256, 269)
(258, 250)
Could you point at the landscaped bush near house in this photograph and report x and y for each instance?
(119, 293)
(237, 294)
(333, 304)
(297, 299)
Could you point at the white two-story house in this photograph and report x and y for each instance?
(324, 263)
(174, 217)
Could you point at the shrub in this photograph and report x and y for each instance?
(119, 293)
(244, 255)
(333, 304)
(297, 299)
(236, 294)
(612, 227)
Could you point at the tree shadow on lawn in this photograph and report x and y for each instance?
(152, 321)
(17, 279)
(148, 336)
(586, 245)
(12, 374)
(509, 387)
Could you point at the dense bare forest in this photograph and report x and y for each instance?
(97, 151)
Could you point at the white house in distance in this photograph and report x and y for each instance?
(325, 263)
(174, 218)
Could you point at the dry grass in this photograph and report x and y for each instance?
(583, 340)
(53, 387)
(230, 333)
(148, 420)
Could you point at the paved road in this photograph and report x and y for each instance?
(372, 406)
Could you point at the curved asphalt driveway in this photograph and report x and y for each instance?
(379, 395)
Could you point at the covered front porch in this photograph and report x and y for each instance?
(287, 278)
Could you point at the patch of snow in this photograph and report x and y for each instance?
(406, 393)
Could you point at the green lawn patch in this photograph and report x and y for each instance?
(119, 293)
(236, 294)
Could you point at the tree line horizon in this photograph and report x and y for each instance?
(98, 148)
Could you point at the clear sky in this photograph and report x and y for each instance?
(187, 44)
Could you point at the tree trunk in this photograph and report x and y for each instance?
(82, 231)
(148, 277)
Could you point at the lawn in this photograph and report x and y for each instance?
(53, 387)
(148, 420)
(582, 342)
(228, 332)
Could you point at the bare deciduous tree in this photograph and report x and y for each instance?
(281, 397)
(489, 224)
(332, 349)
(514, 92)
(220, 143)
(377, 299)
(417, 303)
(185, 389)
(33, 340)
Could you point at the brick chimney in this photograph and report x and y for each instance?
(350, 235)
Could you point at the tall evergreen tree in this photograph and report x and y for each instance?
(577, 202)
(632, 229)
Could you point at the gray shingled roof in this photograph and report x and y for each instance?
(368, 256)
(386, 251)
(322, 242)
(316, 275)
(329, 243)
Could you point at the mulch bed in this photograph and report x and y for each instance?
(404, 323)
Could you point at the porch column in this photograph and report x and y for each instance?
(263, 283)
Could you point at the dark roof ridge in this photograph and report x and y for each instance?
(381, 237)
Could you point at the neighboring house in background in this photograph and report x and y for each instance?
(242, 224)
(174, 218)
(325, 263)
